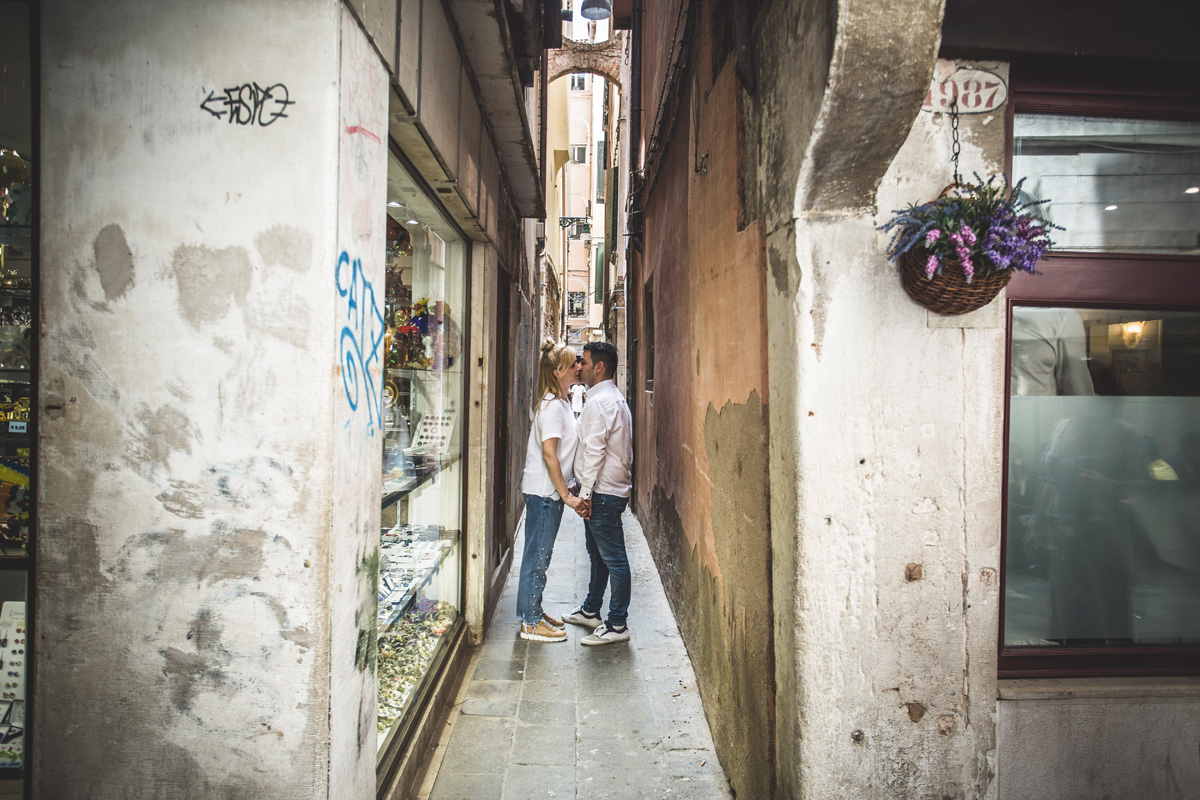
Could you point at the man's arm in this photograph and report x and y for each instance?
(593, 440)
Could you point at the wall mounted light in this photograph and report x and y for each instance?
(1131, 333)
(596, 9)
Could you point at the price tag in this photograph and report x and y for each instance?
(18, 427)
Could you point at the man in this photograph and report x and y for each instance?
(578, 394)
(602, 467)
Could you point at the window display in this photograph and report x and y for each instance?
(1104, 478)
(18, 350)
(420, 574)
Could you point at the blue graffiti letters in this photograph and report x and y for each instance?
(249, 104)
(361, 339)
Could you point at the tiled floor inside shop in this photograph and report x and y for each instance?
(561, 720)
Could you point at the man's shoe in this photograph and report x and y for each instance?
(581, 617)
(541, 632)
(552, 622)
(602, 635)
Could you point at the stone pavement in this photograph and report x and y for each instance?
(541, 720)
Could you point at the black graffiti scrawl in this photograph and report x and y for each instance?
(249, 104)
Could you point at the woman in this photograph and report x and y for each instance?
(549, 465)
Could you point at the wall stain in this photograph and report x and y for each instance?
(732, 617)
(114, 261)
(183, 500)
(157, 434)
(210, 281)
(285, 246)
(366, 650)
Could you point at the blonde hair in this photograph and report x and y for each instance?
(555, 355)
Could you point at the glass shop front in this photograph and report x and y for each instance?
(421, 570)
(17, 371)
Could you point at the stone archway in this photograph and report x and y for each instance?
(601, 58)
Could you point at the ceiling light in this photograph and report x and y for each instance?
(393, 203)
(1110, 208)
(413, 222)
(596, 9)
(1191, 190)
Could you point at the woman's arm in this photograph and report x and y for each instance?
(550, 456)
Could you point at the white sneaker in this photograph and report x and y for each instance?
(602, 635)
(581, 617)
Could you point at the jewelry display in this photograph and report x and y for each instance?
(404, 657)
(12, 697)
(420, 570)
(411, 620)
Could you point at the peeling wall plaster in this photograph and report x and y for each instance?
(188, 387)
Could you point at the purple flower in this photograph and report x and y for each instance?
(932, 236)
(931, 266)
(968, 268)
(967, 235)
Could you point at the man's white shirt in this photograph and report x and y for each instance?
(605, 454)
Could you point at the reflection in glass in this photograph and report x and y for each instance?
(17, 175)
(1118, 185)
(1103, 540)
(419, 563)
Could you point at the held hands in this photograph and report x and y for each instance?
(581, 507)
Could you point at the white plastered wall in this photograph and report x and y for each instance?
(206, 535)
(899, 474)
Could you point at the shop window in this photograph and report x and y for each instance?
(579, 81)
(18, 368)
(420, 576)
(578, 153)
(576, 304)
(1102, 499)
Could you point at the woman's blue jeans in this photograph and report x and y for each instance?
(542, 516)
(610, 565)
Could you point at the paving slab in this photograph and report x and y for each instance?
(562, 720)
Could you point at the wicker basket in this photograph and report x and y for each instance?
(948, 293)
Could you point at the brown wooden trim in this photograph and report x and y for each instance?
(1106, 89)
(1108, 662)
(1127, 280)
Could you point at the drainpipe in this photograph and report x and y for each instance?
(634, 223)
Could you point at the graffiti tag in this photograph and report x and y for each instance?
(249, 104)
(361, 340)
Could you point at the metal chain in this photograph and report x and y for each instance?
(955, 148)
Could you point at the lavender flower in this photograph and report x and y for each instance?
(984, 226)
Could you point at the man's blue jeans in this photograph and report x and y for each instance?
(610, 565)
(542, 516)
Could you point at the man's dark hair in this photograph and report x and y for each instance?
(603, 353)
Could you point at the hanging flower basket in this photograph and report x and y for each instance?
(957, 252)
(948, 293)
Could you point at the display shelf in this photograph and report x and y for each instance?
(421, 581)
(393, 496)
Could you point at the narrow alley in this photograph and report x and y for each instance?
(566, 721)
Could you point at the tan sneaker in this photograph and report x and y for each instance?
(542, 632)
(552, 622)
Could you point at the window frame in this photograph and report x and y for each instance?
(582, 313)
(574, 149)
(1094, 280)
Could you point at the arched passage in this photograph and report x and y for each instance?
(602, 58)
